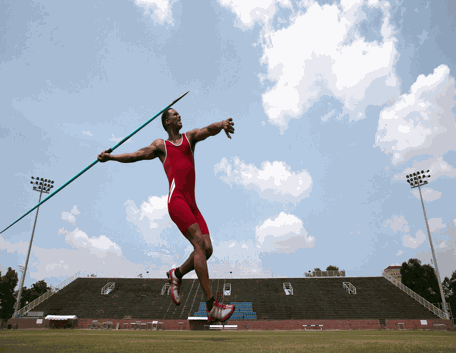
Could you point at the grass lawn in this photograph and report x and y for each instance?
(215, 341)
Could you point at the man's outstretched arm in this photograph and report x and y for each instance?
(146, 153)
(212, 130)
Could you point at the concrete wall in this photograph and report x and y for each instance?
(28, 323)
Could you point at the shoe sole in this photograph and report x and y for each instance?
(217, 320)
(171, 289)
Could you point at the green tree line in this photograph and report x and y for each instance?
(8, 295)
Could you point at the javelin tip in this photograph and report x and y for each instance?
(178, 99)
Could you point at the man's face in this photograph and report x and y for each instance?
(174, 118)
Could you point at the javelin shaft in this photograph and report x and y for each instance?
(95, 162)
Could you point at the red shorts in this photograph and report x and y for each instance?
(184, 215)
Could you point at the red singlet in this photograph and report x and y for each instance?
(180, 169)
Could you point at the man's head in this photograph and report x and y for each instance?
(171, 118)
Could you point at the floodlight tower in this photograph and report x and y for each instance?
(43, 186)
(416, 180)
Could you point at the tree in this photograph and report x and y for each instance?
(317, 269)
(30, 294)
(421, 279)
(332, 268)
(7, 284)
(449, 288)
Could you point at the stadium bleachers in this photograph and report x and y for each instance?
(243, 311)
(262, 299)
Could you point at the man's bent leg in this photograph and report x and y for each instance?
(199, 258)
(188, 265)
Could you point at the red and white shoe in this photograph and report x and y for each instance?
(220, 312)
(174, 283)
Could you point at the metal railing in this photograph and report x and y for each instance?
(108, 288)
(417, 297)
(37, 301)
(349, 287)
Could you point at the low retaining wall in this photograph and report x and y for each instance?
(368, 324)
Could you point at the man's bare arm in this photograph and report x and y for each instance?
(212, 130)
(146, 153)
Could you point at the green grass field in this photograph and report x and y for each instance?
(216, 341)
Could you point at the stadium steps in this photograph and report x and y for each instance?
(314, 298)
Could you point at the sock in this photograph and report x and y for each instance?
(209, 303)
(178, 273)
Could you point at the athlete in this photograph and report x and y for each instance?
(177, 156)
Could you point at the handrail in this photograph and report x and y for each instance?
(45, 296)
(349, 287)
(417, 297)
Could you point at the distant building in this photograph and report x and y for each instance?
(395, 272)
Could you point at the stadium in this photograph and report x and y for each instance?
(312, 303)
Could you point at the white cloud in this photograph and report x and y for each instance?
(413, 243)
(437, 167)
(284, 234)
(399, 253)
(159, 10)
(323, 53)
(253, 11)
(428, 194)
(445, 252)
(436, 225)
(67, 216)
(274, 181)
(420, 122)
(75, 210)
(97, 255)
(442, 245)
(98, 246)
(87, 133)
(118, 139)
(151, 219)
(397, 224)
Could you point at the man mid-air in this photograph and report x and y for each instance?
(176, 154)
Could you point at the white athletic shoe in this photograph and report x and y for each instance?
(174, 283)
(220, 312)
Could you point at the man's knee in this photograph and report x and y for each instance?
(208, 251)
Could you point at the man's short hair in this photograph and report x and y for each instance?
(165, 116)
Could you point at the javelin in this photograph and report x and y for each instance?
(96, 161)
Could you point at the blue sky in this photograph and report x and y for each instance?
(333, 104)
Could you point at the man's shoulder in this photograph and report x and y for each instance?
(159, 143)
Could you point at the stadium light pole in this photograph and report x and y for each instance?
(416, 180)
(43, 186)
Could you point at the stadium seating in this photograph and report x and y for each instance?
(261, 299)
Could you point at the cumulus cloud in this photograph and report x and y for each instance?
(87, 133)
(273, 181)
(323, 53)
(75, 210)
(253, 11)
(118, 139)
(399, 253)
(283, 234)
(428, 194)
(420, 122)
(151, 218)
(412, 243)
(159, 10)
(67, 216)
(397, 224)
(100, 255)
(445, 250)
(437, 167)
(98, 246)
(436, 225)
